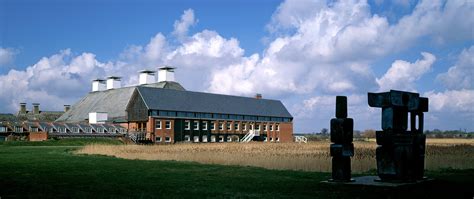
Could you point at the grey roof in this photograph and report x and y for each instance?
(175, 100)
(113, 102)
(167, 85)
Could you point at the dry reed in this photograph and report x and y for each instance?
(314, 156)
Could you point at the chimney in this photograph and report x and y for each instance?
(97, 117)
(22, 108)
(166, 73)
(36, 109)
(146, 77)
(98, 85)
(258, 96)
(113, 82)
(67, 108)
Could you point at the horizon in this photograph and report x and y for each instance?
(303, 53)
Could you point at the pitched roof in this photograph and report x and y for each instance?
(112, 101)
(175, 100)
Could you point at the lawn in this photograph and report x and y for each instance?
(56, 171)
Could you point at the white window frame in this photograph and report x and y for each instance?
(204, 138)
(167, 139)
(228, 126)
(257, 127)
(265, 127)
(158, 139)
(159, 124)
(236, 126)
(187, 125)
(277, 127)
(244, 126)
(278, 139)
(271, 127)
(196, 125)
(213, 125)
(187, 138)
(221, 126)
(196, 139)
(168, 124)
(204, 126)
(250, 126)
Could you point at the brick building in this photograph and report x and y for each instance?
(164, 112)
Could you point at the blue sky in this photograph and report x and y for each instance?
(302, 52)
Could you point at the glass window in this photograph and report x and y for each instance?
(158, 124)
(250, 126)
(239, 117)
(236, 126)
(244, 126)
(277, 127)
(257, 127)
(181, 114)
(213, 125)
(158, 139)
(204, 125)
(196, 125)
(168, 124)
(163, 113)
(221, 126)
(271, 127)
(189, 114)
(187, 138)
(187, 125)
(228, 126)
(167, 139)
(264, 127)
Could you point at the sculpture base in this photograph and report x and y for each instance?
(375, 181)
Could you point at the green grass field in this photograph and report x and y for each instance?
(54, 171)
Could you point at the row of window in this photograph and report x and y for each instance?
(196, 126)
(217, 116)
(187, 138)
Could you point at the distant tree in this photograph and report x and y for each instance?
(324, 131)
(369, 133)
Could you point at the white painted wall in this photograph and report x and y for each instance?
(97, 117)
(146, 78)
(113, 83)
(98, 86)
(165, 75)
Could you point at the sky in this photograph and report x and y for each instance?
(302, 52)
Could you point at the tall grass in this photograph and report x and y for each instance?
(313, 156)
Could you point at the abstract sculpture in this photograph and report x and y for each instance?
(341, 136)
(401, 153)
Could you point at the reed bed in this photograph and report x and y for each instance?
(314, 156)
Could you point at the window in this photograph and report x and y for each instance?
(158, 125)
(187, 138)
(229, 139)
(250, 126)
(221, 126)
(228, 125)
(264, 127)
(204, 125)
(187, 125)
(167, 139)
(271, 139)
(278, 139)
(158, 139)
(204, 138)
(3, 129)
(168, 124)
(277, 127)
(75, 129)
(236, 126)
(213, 126)
(244, 126)
(257, 127)
(196, 125)
(196, 138)
(271, 127)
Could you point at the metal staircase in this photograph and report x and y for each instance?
(249, 136)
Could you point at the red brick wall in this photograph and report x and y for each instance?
(163, 132)
(37, 136)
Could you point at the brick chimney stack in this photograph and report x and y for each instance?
(258, 96)
(36, 109)
(67, 108)
(22, 108)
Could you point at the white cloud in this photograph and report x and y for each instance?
(402, 74)
(451, 101)
(53, 81)
(181, 27)
(461, 75)
(7, 55)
